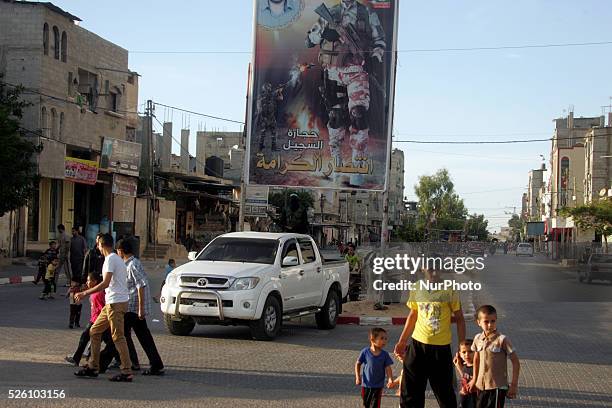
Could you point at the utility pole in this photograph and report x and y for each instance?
(152, 220)
(245, 161)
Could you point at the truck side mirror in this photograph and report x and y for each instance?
(290, 261)
(192, 256)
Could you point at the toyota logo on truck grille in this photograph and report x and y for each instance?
(202, 282)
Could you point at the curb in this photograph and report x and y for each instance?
(16, 279)
(371, 320)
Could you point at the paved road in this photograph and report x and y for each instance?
(564, 349)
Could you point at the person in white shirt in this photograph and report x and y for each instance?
(114, 284)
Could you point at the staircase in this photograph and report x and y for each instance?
(161, 250)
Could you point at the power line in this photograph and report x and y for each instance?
(496, 141)
(199, 114)
(410, 50)
(37, 92)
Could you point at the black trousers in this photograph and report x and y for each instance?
(491, 398)
(371, 397)
(144, 337)
(84, 340)
(424, 362)
(75, 314)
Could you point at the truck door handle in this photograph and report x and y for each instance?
(301, 272)
(319, 269)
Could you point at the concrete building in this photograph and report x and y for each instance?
(396, 188)
(568, 174)
(83, 95)
(536, 181)
(598, 163)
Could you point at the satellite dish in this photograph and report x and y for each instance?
(603, 192)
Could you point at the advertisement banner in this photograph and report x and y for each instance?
(256, 200)
(80, 171)
(321, 97)
(124, 185)
(120, 156)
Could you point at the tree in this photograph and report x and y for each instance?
(477, 225)
(517, 226)
(293, 210)
(439, 206)
(596, 216)
(18, 171)
(408, 231)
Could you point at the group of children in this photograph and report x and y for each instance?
(481, 365)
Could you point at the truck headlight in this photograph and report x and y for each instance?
(171, 280)
(244, 284)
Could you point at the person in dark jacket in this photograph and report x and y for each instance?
(93, 260)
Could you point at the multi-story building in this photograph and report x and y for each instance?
(598, 163)
(83, 97)
(568, 174)
(536, 181)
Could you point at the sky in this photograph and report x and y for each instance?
(446, 95)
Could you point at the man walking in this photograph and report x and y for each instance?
(78, 247)
(428, 355)
(139, 307)
(114, 283)
(63, 243)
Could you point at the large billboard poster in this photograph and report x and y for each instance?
(322, 93)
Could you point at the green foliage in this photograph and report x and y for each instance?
(292, 218)
(517, 226)
(477, 225)
(596, 216)
(18, 171)
(408, 232)
(440, 207)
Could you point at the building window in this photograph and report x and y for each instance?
(44, 126)
(62, 123)
(46, 39)
(53, 123)
(564, 181)
(88, 88)
(56, 43)
(64, 47)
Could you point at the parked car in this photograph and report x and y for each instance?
(598, 266)
(255, 279)
(524, 249)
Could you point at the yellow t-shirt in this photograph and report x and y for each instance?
(50, 272)
(435, 309)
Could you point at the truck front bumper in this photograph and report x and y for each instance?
(221, 304)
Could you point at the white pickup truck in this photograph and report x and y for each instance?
(256, 279)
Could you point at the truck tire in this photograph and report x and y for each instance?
(181, 327)
(268, 326)
(327, 317)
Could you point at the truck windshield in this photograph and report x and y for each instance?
(241, 250)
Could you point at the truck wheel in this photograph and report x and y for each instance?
(268, 326)
(326, 318)
(181, 327)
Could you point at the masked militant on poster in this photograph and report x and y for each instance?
(322, 93)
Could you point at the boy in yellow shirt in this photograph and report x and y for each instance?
(428, 356)
(49, 279)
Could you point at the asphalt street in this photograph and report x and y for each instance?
(562, 331)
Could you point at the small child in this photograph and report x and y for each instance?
(97, 304)
(376, 364)
(464, 363)
(44, 261)
(75, 307)
(49, 279)
(490, 362)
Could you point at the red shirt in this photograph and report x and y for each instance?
(97, 303)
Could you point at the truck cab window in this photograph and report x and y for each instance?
(308, 253)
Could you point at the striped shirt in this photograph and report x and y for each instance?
(137, 278)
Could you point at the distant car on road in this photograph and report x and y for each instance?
(524, 249)
(598, 266)
(476, 248)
